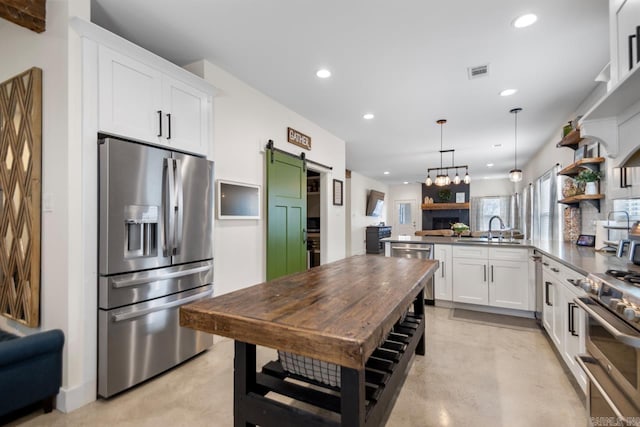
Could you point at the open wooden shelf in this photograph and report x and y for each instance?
(574, 168)
(444, 206)
(580, 197)
(571, 140)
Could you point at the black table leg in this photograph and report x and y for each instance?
(352, 397)
(244, 379)
(418, 309)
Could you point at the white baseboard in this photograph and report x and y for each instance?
(70, 399)
(485, 309)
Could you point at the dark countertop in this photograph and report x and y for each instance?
(582, 259)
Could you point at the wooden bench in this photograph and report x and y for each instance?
(363, 313)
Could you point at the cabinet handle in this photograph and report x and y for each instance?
(572, 318)
(492, 274)
(546, 294)
(631, 37)
(159, 122)
(442, 269)
(485, 272)
(555, 270)
(169, 125)
(546, 264)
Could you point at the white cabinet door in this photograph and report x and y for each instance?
(559, 309)
(186, 112)
(574, 328)
(509, 284)
(547, 306)
(627, 18)
(470, 281)
(443, 283)
(129, 97)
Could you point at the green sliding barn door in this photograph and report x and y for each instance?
(286, 215)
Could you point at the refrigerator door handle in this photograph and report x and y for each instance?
(169, 217)
(143, 312)
(123, 283)
(178, 208)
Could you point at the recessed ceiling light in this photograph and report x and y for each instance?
(368, 116)
(525, 20)
(406, 182)
(489, 165)
(386, 172)
(508, 92)
(496, 145)
(323, 73)
(485, 177)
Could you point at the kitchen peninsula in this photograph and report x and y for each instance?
(360, 317)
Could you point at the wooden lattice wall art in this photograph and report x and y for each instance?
(20, 188)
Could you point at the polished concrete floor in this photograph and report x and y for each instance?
(475, 373)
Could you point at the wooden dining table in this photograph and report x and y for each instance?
(363, 314)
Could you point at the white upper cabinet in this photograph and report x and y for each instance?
(185, 111)
(129, 96)
(627, 18)
(141, 102)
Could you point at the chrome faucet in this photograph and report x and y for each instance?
(489, 237)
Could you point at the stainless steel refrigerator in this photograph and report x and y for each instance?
(154, 255)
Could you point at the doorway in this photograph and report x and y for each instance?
(405, 214)
(314, 218)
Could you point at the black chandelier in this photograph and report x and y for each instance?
(442, 173)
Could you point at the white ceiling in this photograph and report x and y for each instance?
(404, 61)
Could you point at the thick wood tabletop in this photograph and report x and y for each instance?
(338, 312)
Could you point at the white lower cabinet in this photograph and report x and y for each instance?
(442, 285)
(470, 281)
(563, 320)
(497, 277)
(504, 290)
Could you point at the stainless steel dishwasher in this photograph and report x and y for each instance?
(420, 251)
(412, 250)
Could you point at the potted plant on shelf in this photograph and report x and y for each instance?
(589, 179)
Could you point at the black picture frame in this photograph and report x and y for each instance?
(338, 197)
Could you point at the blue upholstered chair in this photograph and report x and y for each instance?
(30, 369)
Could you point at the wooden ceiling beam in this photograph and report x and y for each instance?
(30, 14)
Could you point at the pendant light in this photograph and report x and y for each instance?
(467, 178)
(515, 174)
(442, 173)
(441, 178)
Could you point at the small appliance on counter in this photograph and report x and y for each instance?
(634, 243)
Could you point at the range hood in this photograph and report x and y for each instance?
(632, 160)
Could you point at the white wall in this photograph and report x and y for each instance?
(56, 52)
(359, 187)
(491, 187)
(244, 121)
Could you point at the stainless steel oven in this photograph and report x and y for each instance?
(613, 346)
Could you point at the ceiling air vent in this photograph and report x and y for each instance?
(479, 71)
